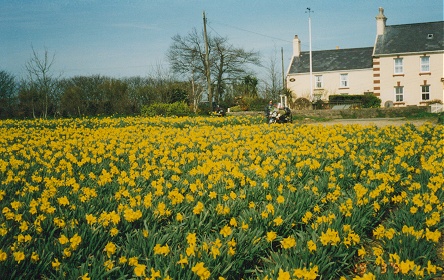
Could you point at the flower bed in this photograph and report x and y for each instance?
(219, 198)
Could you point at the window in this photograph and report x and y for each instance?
(425, 92)
(399, 69)
(344, 81)
(399, 94)
(318, 81)
(425, 63)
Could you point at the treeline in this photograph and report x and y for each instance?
(43, 94)
(100, 95)
(86, 96)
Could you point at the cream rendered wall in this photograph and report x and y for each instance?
(412, 78)
(359, 81)
(299, 85)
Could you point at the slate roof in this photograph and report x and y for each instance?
(333, 60)
(408, 38)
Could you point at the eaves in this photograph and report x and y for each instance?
(408, 53)
(333, 71)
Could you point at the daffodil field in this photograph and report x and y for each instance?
(219, 198)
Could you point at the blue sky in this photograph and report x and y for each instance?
(130, 37)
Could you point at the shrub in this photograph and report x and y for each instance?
(236, 108)
(302, 103)
(319, 104)
(257, 104)
(441, 118)
(248, 103)
(370, 101)
(366, 100)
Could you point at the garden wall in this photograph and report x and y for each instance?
(394, 112)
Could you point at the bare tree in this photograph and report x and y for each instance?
(273, 84)
(187, 57)
(8, 96)
(230, 63)
(187, 54)
(41, 78)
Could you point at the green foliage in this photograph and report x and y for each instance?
(319, 105)
(8, 96)
(248, 103)
(301, 103)
(236, 108)
(256, 103)
(248, 86)
(165, 109)
(366, 100)
(441, 118)
(370, 101)
(269, 207)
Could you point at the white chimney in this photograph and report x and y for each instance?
(296, 46)
(380, 22)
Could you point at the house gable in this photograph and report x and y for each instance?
(404, 66)
(410, 38)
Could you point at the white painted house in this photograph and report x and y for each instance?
(404, 67)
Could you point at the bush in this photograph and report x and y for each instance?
(302, 103)
(370, 101)
(236, 108)
(319, 104)
(257, 104)
(441, 118)
(366, 100)
(165, 109)
(248, 103)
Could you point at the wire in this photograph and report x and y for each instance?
(213, 30)
(253, 32)
(257, 33)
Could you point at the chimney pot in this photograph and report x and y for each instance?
(296, 46)
(380, 22)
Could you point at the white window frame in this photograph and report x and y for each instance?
(399, 94)
(425, 63)
(343, 80)
(425, 92)
(318, 82)
(398, 67)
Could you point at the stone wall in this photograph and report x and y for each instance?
(363, 113)
(394, 112)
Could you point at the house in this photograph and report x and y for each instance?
(404, 67)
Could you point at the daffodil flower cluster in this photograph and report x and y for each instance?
(219, 198)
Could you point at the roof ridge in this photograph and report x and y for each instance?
(417, 23)
(340, 49)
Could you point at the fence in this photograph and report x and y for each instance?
(436, 108)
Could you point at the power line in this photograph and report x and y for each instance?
(257, 33)
(213, 29)
(253, 32)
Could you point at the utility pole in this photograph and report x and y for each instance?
(283, 79)
(207, 63)
(283, 75)
(311, 58)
